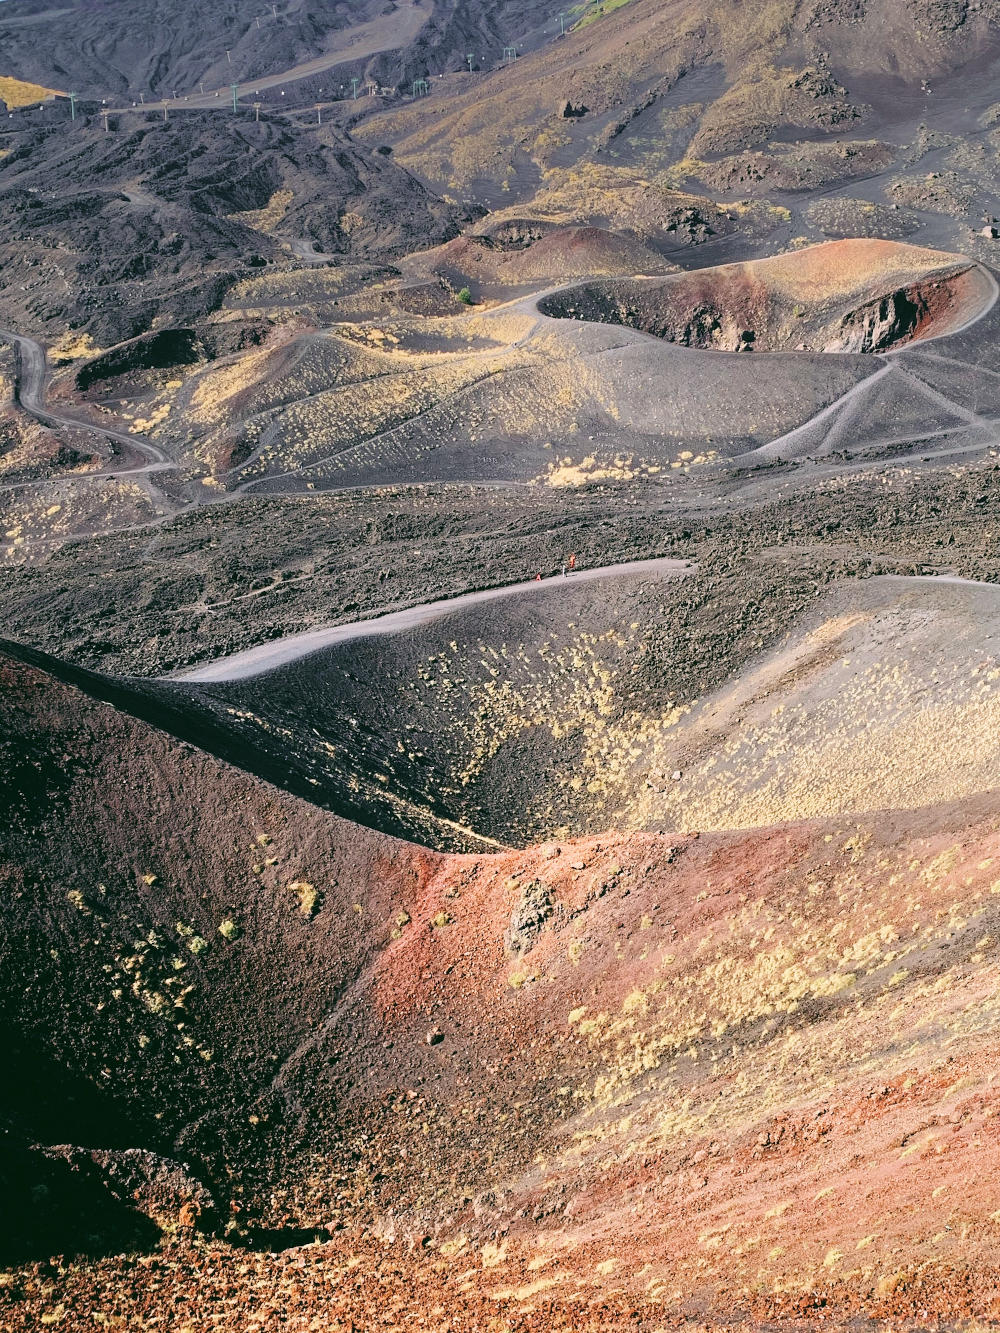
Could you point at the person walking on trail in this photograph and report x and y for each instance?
(564, 569)
(538, 578)
(572, 563)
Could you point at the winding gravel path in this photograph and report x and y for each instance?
(32, 380)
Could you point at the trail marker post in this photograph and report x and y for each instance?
(469, 59)
(319, 114)
(234, 87)
(562, 23)
(72, 105)
(354, 84)
(256, 107)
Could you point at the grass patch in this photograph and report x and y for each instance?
(17, 92)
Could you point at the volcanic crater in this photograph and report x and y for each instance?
(574, 708)
(618, 950)
(844, 296)
(256, 1010)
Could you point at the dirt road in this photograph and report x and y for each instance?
(267, 656)
(31, 384)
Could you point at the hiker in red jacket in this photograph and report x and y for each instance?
(572, 563)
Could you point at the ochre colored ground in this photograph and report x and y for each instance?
(16, 93)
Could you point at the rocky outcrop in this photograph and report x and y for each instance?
(881, 324)
(534, 908)
(157, 1187)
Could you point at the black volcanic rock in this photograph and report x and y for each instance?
(103, 48)
(107, 231)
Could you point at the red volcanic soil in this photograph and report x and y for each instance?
(625, 1081)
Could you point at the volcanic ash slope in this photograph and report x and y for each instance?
(741, 1074)
(583, 706)
(886, 698)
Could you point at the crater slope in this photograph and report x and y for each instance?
(844, 296)
(731, 1075)
(571, 708)
(499, 722)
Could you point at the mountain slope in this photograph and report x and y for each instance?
(763, 1059)
(105, 50)
(737, 101)
(115, 233)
